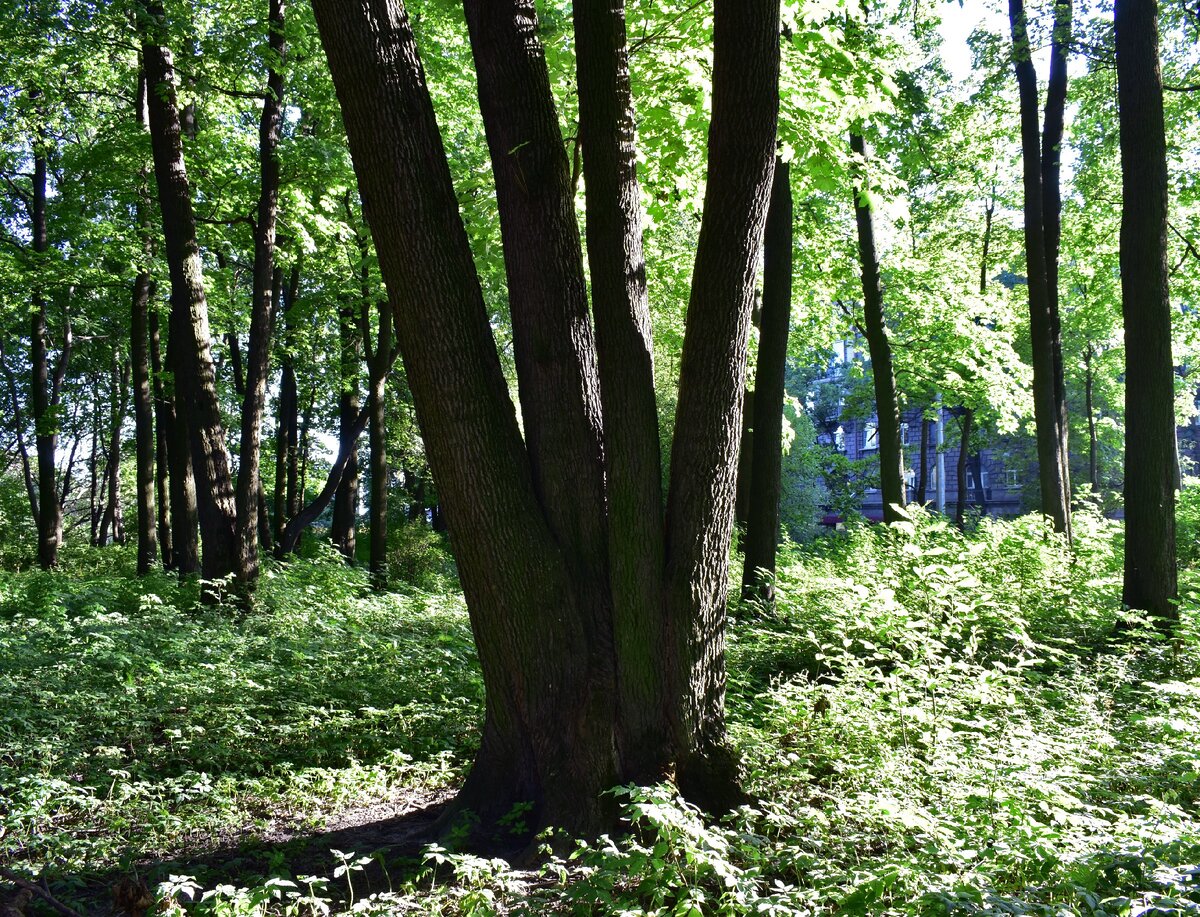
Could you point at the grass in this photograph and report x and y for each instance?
(933, 723)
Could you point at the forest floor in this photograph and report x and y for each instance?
(933, 723)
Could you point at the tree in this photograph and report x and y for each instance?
(762, 528)
(1042, 208)
(1151, 457)
(548, 637)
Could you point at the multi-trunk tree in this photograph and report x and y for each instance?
(602, 645)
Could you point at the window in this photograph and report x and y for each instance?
(910, 478)
(1012, 479)
(871, 437)
(903, 434)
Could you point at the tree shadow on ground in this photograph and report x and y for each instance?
(393, 834)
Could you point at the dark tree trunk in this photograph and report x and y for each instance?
(762, 527)
(95, 494)
(1151, 457)
(18, 423)
(195, 379)
(1055, 486)
(345, 502)
(45, 424)
(1088, 382)
(965, 422)
(923, 463)
(164, 426)
(534, 618)
(249, 497)
(1052, 134)
(378, 359)
(887, 407)
(741, 498)
(301, 490)
(112, 523)
(625, 364)
(287, 435)
(143, 400)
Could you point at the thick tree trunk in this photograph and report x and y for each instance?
(164, 425)
(762, 527)
(625, 365)
(551, 719)
(1151, 458)
(249, 496)
(1055, 486)
(195, 379)
(185, 514)
(887, 407)
(345, 502)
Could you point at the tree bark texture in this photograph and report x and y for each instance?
(378, 359)
(1055, 485)
(887, 407)
(195, 378)
(1151, 457)
(762, 525)
(345, 502)
(164, 424)
(143, 396)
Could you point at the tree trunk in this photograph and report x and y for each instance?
(249, 499)
(551, 717)
(287, 436)
(965, 423)
(377, 404)
(345, 502)
(143, 402)
(44, 421)
(923, 464)
(1151, 458)
(1055, 486)
(18, 422)
(1052, 134)
(625, 365)
(112, 525)
(195, 379)
(887, 408)
(164, 426)
(762, 529)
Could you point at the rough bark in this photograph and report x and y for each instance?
(195, 379)
(377, 437)
(762, 523)
(143, 400)
(1055, 486)
(249, 496)
(1151, 458)
(887, 407)
(625, 365)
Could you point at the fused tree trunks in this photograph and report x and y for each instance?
(522, 511)
(762, 528)
(1048, 411)
(887, 407)
(195, 379)
(1151, 458)
(249, 496)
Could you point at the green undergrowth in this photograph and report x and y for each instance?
(932, 722)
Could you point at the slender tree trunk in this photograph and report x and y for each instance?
(195, 379)
(887, 407)
(287, 428)
(249, 501)
(965, 423)
(378, 440)
(1052, 135)
(44, 421)
(345, 503)
(762, 529)
(18, 422)
(1151, 456)
(94, 489)
(302, 448)
(1055, 486)
(1089, 355)
(164, 425)
(923, 464)
(112, 525)
(143, 403)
